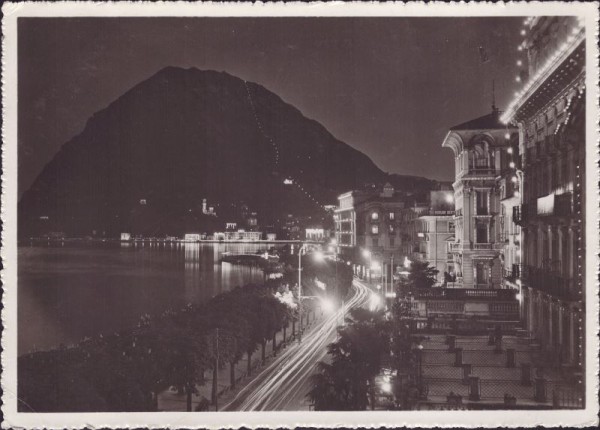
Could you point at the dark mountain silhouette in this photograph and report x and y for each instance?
(184, 135)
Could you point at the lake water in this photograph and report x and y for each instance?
(66, 292)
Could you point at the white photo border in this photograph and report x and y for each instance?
(371, 419)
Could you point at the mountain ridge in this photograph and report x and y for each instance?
(183, 135)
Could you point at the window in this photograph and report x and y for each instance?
(375, 242)
(374, 229)
(391, 216)
(374, 216)
(451, 227)
(391, 229)
(391, 241)
(482, 233)
(481, 198)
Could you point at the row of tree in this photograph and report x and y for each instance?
(127, 370)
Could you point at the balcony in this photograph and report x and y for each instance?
(513, 273)
(526, 213)
(431, 212)
(485, 246)
(550, 282)
(482, 171)
(464, 294)
(455, 247)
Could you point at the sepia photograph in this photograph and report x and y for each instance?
(380, 211)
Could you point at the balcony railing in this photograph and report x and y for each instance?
(513, 273)
(455, 247)
(464, 294)
(525, 213)
(550, 282)
(482, 171)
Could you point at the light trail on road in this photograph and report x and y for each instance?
(284, 383)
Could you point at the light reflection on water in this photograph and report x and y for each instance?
(66, 291)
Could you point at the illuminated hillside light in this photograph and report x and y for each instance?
(517, 79)
(514, 179)
(519, 63)
(509, 150)
(512, 164)
(523, 32)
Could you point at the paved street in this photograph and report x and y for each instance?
(283, 384)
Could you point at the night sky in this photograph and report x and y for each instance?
(390, 87)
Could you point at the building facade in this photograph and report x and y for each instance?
(550, 114)
(480, 149)
(367, 231)
(428, 229)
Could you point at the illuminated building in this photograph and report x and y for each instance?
(192, 237)
(314, 234)
(369, 221)
(429, 229)
(550, 114)
(238, 236)
(480, 151)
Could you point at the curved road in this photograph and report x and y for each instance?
(283, 384)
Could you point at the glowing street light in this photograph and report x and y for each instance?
(374, 301)
(327, 304)
(386, 387)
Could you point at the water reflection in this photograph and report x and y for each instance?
(66, 291)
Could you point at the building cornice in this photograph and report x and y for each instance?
(534, 84)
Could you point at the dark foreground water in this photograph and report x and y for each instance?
(66, 292)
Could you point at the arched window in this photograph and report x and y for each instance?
(480, 157)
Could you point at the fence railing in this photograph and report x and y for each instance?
(464, 293)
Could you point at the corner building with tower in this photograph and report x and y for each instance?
(481, 157)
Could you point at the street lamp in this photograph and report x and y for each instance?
(367, 254)
(302, 248)
(318, 257)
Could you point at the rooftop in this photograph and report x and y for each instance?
(490, 121)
